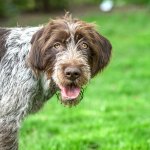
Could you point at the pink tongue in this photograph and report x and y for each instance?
(70, 92)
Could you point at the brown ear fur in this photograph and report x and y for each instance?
(41, 58)
(35, 54)
(102, 53)
(37, 58)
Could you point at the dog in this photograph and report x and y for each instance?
(37, 62)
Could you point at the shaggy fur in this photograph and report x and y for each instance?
(35, 62)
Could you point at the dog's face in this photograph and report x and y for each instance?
(70, 52)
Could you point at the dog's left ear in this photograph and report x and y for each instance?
(102, 48)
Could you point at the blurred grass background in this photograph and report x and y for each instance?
(115, 111)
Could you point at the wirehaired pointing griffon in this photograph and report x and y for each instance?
(36, 62)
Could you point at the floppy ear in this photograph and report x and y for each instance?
(102, 54)
(35, 54)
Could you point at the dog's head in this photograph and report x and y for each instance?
(70, 52)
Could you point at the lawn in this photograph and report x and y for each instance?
(115, 111)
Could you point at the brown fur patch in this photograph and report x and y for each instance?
(42, 54)
(100, 47)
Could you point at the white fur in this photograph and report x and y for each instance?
(17, 83)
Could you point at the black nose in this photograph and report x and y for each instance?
(72, 73)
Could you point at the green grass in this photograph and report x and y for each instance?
(115, 111)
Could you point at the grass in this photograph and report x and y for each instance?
(115, 112)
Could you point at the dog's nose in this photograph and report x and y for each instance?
(72, 73)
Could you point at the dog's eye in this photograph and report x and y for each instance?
(84, 46)
(57, 45)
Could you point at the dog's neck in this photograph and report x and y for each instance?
(44, 91)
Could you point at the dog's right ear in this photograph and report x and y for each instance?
(36, 35)
(35, 54)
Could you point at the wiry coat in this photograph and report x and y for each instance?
(20, 91)
(34, 64)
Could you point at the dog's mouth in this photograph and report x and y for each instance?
(70, 94)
